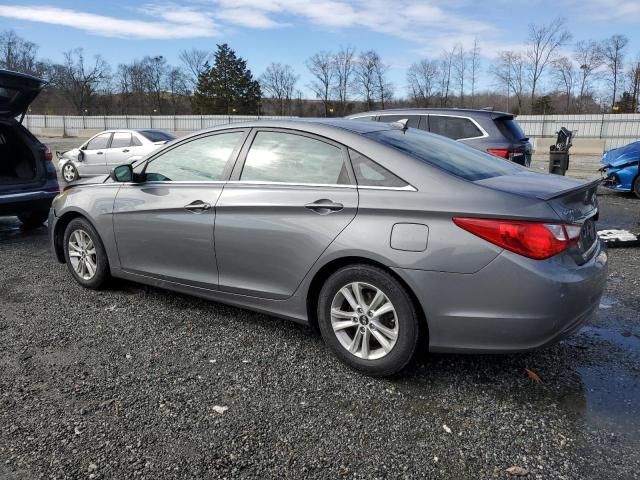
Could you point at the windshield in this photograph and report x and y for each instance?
(449, 155)
(156, 135)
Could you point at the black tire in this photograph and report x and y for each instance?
(33, 219)
(408, 324)
(71, 168)
(101, 275)
(636, 187)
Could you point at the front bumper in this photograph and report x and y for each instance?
(619, 179)
(513, 304)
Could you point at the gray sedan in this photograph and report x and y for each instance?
(387, 239)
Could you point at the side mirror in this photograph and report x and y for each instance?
(122, 173)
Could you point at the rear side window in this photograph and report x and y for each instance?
(510, 129)
(135, 141)
(368, 117)
(202, 159)
(456, 128)
(121, 140)
(455, 158)
(289, 158)
(156, 135)
(99, 142)
(370, 174)
(413, 121)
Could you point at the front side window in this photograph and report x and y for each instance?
(456, 128)
(289, 158)
(202, 159)
(99, 142)
(454, 157)
(121, 140)
(370, 174)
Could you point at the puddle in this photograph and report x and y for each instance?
(609, 401)
(624, 340)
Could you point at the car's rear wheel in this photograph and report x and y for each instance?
(85, 255)
(368, 319)
(69, 172)
(33, 219)
(636, 186)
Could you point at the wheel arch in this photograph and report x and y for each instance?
(333, 266)
(58, 232)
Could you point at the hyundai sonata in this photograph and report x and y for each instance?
(378, 234)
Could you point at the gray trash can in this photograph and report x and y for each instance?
(558, 162)
(559, 153)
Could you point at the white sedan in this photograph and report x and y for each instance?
(108, 149)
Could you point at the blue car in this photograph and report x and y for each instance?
(621, 168)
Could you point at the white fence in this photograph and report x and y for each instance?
(614, 130)
(185, 123)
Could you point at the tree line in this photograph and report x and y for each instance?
(550, 74)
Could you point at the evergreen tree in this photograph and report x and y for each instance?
(227, 87)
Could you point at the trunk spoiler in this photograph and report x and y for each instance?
(580, 188)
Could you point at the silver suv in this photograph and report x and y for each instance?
(497, 133)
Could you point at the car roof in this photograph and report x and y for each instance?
(310, 125)
(472, 112)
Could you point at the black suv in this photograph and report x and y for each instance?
(497, 133)
(28, 180)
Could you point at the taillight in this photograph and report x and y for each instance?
(46, 154)
(531, 239)
(499, 152)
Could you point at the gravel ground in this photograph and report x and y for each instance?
(139, 382)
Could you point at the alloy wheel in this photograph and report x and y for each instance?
(82, 254)
(364, 320)
(69, 172)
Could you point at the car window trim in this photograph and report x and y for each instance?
(242, 157)
(226, 173)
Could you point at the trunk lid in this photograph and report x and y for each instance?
(573, 200)
(17, 91)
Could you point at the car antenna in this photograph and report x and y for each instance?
(402, 123)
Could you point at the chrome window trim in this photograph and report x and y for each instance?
(406, 188)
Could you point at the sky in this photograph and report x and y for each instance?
(290, 31)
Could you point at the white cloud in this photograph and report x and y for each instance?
(627, 11)
(170, 22)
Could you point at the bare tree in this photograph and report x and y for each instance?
(511, 75)
(543, 43)
(18, 54)
(177, 85)
(278, 82)
(384, 87)
(344, 68)
(475, 68)
(422, 80)
(446, 64)
(366, 82)
(79, 79)
(156, 73)
(565, 75)
(320, 65)
(613, 53)
(588, 55)
(194, 60)
(634, 84)
(460, 63)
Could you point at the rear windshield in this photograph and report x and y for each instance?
(510, 128)
(156, 135)
(449, 155)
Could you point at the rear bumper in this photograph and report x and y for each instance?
(513, 304)
(17, 203)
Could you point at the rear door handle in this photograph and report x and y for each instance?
(99, 153)
(197, 206)
(324, 206)
(125, 150)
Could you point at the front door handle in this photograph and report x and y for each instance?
(125, 150)
(198, 206)
(99, 153)
(324, 206)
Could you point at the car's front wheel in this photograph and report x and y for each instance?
(69, 172)
(85, 255)
(368, 319)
